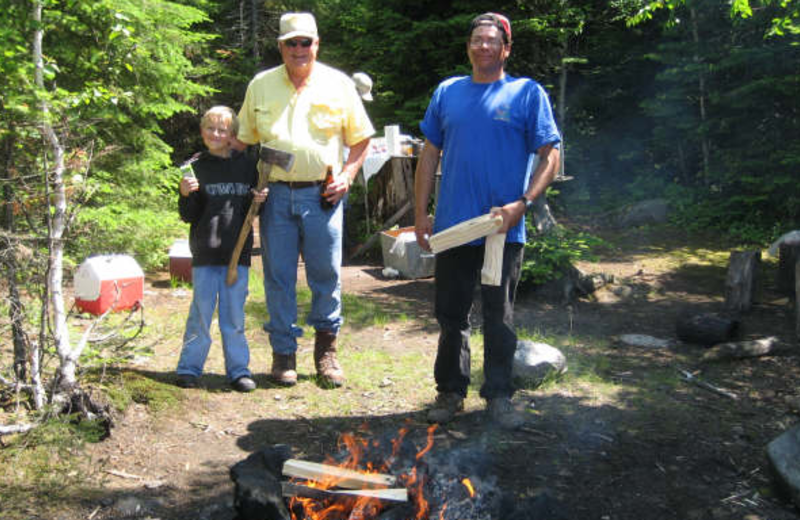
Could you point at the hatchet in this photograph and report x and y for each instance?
(269, 157)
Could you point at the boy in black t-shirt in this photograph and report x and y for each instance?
(215, 195)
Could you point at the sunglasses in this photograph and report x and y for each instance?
(305, 42)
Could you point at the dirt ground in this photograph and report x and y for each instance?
(635, 445)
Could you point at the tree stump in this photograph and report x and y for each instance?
(391, 188)
(789, 255)
(742, 281)
(797, 298)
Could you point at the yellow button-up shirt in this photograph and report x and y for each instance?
(314, 124)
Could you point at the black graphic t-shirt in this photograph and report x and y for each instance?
(217, 210)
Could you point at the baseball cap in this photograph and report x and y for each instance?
(363, 85)
(293, 25)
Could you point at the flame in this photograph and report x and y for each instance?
(468, 485)
(364, 508)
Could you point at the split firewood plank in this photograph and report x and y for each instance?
(492, 270)
(341, 477)
(691, 378)
(741, 282)
(465, 232)
(290, 489)
(743, 349)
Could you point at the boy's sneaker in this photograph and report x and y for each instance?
(446, 406)
(188, 381)
(244, 384)
(502, 412)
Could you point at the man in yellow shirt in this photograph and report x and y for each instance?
(313, 111)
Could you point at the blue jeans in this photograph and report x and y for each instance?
(293, 222)
(209, 286)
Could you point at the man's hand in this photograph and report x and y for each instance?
(188, 185)
(337, 189)
(511, 213)
(423, 229)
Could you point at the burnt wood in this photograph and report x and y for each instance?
(705, 329)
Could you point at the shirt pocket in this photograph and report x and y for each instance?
(325, 121)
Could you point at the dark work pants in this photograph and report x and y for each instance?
(457, 271)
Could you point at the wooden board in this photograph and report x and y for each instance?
(340, 477)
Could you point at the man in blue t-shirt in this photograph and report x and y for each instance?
(485, 126)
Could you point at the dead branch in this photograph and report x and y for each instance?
(15, 428)
(691, 378)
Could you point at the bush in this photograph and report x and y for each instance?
(546, 256)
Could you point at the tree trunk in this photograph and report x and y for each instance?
(701, 86)
(254, 28)
(742, 281)
(56, 219)
(797, 298)
(562, 103)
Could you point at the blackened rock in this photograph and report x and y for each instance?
(257, 485)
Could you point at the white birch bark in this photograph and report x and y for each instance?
(56, 220)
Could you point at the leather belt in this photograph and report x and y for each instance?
(299, 184)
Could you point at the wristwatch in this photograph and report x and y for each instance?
(528, 203)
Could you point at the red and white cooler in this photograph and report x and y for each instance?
(106, 282)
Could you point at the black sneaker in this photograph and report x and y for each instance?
(244, 384)
(188, 381)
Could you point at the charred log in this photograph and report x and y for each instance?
(789, 256)
(705, 329)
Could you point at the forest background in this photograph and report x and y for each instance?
(698, 103)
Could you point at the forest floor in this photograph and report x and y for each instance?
(619, 437)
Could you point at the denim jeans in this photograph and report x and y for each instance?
(293, 222)
(457, 271)
(209, 288)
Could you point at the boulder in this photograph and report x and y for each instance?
(784, 458)
(652, 211)
(257, 487)
(535, 362)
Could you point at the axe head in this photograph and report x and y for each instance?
(275, 157)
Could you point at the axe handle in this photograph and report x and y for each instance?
(263, 180)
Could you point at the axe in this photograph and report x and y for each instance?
(269, 158)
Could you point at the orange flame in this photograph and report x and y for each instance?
(468, 485)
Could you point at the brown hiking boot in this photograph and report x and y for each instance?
(502, 412)
(284, 369)
(328, 368)
(447, 405)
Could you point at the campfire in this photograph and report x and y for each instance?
(370, 480)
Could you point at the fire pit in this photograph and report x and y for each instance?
(370, 479)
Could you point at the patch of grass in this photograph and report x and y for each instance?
(45, 462)
(136, 388)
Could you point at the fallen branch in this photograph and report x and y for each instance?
(337, 476)
(15, 428)
(690, 378)
(743, 349)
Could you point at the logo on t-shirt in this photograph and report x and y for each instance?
(502, 113)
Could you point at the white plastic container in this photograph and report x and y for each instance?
(401, 251)
(106, 282)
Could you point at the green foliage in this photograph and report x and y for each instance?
(547, 255)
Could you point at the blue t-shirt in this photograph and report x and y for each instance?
(486, 131)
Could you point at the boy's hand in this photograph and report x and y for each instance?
(260, 196)
(188, 185)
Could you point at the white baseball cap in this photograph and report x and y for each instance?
(363, 85)
(293, 25)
